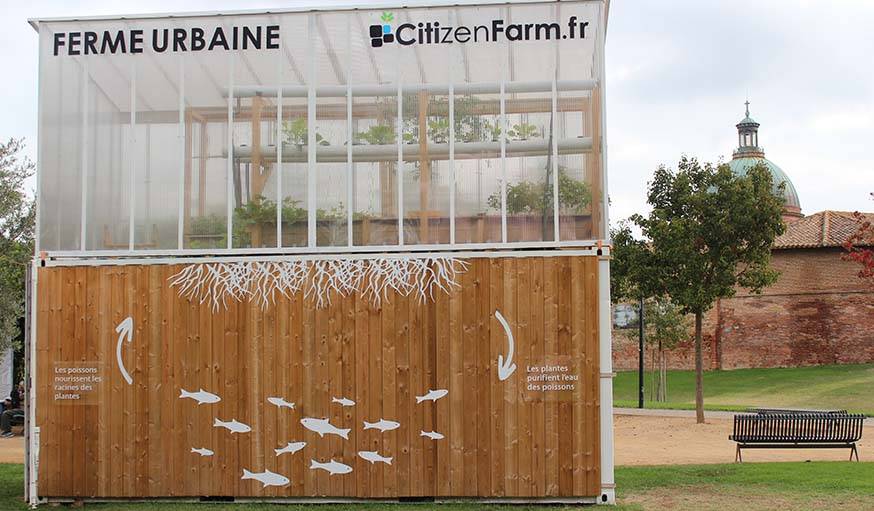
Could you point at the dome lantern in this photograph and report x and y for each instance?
(748, 154)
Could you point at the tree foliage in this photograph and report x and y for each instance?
(710, 232)
(858, 246)
(17, 215)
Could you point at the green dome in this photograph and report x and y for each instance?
(739, 166)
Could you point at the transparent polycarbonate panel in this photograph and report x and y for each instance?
(294, 172)
(530, 178)
(157, 153)
(374, 156)
(331, 139)
(427, 177)
(60, 145)
(205, 196)
(578, 57)
(579, 171)
(253, 181)
(477, 168)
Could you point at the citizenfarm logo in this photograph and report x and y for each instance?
(432, 32)
(381, 34)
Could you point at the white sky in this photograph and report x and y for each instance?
(678, 73)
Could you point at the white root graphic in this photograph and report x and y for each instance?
(318, 280)
(124, 329)
(506, 367)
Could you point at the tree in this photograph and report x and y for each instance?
(17, 214)
(858, 246)
(710, 232)
(666, 326)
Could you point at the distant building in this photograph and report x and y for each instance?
(818, 312)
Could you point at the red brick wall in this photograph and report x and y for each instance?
(818, 312)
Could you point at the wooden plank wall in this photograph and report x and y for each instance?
(500, 439)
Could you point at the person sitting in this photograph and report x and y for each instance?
(11, 409)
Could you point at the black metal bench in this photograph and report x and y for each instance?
(770, 411)
(817, 430)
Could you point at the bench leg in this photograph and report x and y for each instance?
(853, 450)
(737, 456)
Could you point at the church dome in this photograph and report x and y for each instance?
(748, 154)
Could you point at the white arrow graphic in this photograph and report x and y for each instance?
(505, 369)
(124, 329)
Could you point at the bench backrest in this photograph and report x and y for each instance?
(798, 427)
(772, 411)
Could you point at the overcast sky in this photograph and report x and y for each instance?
(678, 73)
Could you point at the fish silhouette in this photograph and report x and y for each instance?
(433, 435)
(373, 457)
(233, 426)
(383, 425)
(343, 401)
(332, 467)
(201, 396)
(203, 451)
(291, 448)
(280, 402)
(432, 395)
(267, 478)
(323, 427)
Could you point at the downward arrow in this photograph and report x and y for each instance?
(505, 367)
(124, 329)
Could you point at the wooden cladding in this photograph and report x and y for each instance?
(500, 438)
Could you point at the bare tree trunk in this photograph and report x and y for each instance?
(664, 377)
(699, 371)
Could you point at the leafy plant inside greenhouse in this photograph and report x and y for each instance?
(527, 197)
(296, 133)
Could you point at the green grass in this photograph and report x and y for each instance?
(748, 486)
(821, 387)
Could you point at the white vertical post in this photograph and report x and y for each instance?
(131, 153)
(554, 150)
(180, 241)
(349, 173)
(84, 155)
(601, 83)
(605, 348)
(451, 159)
(230, 163)
(311, 135)
(503, 122)
(33, 434)
(400, 169)
(280, 194)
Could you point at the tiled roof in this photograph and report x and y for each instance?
(823, 229)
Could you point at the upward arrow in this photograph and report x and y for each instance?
(505, 367)
(124, 329)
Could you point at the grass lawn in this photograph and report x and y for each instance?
(751, 486)
(822, 387)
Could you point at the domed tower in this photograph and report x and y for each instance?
(748, 154)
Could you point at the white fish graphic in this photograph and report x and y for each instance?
(280, 402)
(291, 448)
(201, 396)
(342, 401)
(383, 425)
(233, 426)
(432, 395)
(267, 478)
(323, 427)
(433, 435)
(203, 451)
(332, 467)
(373, 457)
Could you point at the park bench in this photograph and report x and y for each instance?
(817, 430)
(786, 410)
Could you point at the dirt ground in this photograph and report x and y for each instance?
(650, 441)
(680, 441)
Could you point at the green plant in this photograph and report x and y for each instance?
(526, 197)
(378, 134)
(296, 133)
(438, 130)
(493, 131)
(523, 131)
